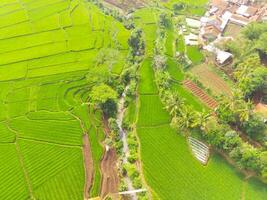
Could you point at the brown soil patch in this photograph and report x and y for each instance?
(88, 165)
(126, 4)
(261, 108)
(110, 179)
(211, 80)
(197, 91)
(109, 172)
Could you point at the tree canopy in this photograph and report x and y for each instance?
(105, 97)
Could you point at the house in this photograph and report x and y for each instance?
(210, 32)
(223, 12)
(239, 20)
(246, 11)
(223, 57)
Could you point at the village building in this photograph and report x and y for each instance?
(222, 12)
(223, 57)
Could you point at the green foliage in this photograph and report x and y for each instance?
(194, 54)
(105, 97)
(250, 75)
(254, 30)
(164, 20)
(48, 67)
(255, 126)
(136, 43)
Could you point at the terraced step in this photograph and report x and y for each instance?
(197, 91)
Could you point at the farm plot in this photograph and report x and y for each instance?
(194, 54)
(211, 80)
(151, 112)
(45, 162)
(170, 169)
(47, 61)
(12, 182)
(78, 35)
(147, 85)
(197, 91)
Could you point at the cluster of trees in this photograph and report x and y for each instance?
(236, 111)
(219, 135)
(250, 75)
(129, 79)
(245, 155)
(137, 46)
(105, 98)
(129, 168)
(107, 87)
(250, 50)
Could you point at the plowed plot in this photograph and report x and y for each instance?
(110, 179)
(127, 4)
(197, 91)
(211, 80)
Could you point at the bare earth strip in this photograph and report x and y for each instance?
(110, 179)
(109, 172)
(197, 91)
(88, 165)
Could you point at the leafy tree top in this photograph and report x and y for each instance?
(102, 93)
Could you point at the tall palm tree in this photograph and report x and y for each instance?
(185, 120)
(201, 120)
(244, 111)
(174, 104)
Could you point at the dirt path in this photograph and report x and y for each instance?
(26, 175)
(110, 179)
(88, 165)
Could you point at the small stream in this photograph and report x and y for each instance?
(123, 135)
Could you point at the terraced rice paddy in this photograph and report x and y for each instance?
(48, 64)
(47, 56)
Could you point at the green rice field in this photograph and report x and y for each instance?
(49, 62)
(47, 54)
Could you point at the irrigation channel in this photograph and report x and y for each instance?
(123, 135)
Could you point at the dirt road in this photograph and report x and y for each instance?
(88, 165)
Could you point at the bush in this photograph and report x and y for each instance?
(130, 170)
(254, 126)
(113, 124)
(132, 157)
(137, 182)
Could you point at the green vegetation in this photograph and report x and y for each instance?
(194, 54)
(168, 165)
(64, 65)
(52, 54)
